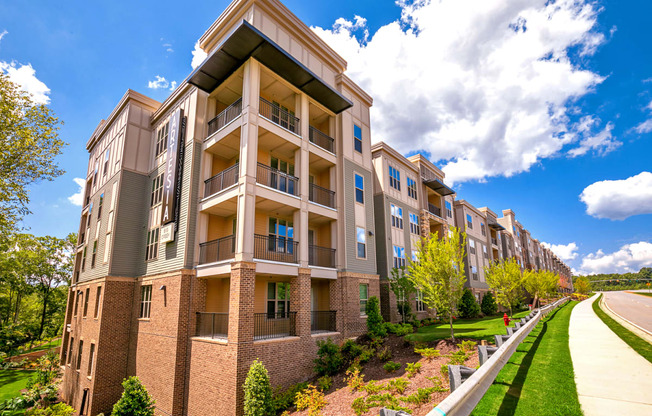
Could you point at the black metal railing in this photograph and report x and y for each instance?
(275, 248)
(229, 114)
(276, 179)
(321, 196)
(323, 321)
(321, 139)
(494, 241)
(217, 250)
(274, 325)
(321, 256)
(434, 209)
(212, 325)
(279, 115)
(221, 181)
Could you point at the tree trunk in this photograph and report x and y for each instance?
(45, 307)
(17, 310)
(450, 321)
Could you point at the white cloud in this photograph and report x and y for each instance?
(601, 143)
(646, 126)
(619, 199)
(487, 86)
(629, 258)
(161, 83)
(564, 252)
(198, 56)
(78, 197)
(2, 35)
(25, 77)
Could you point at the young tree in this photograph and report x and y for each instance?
(403, 289)
(540, 284)
(582, 285)
(135, 400)
(258, 391)
(468, 307)
(504, 278)
(488, 305)
(439, 272)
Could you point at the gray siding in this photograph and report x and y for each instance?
(384, 201)
(382, 250)
(194, 198)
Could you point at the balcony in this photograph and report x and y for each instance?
(276, 179)
(321, 139)
(321, 256)
(279, 115)
(225, 117)
(274, 325)
(228, 177)
(433, 209)
(212, 325)
(275, 248)
(321, 196)
(323, 321)
(494, 241)
(217, 250)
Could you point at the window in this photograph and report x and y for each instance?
(98, 295)
(151, 250)
(106, 162)
(283, 116)
(278, 300)
(474, 272)
(359, 189)
(399, 257)
(95, 173)
(412, 188)
(414, 223)
(284, 183)
(83, 266)
(449, 209)
(469, 221)
(484, 251)
(145, 301)
(397, 216)
(162, 140)
(94, 254)
(419, 298)
(157, 190)
(364, 297)
(357, 138)
(72, 343)
(99, 206)
(472, 246)
(394, 178)
(88, 292)
(79, 354)
(281, 236)
(362, 242)
(77, 300)
(484, 233)
(414, 255)
(91, 357)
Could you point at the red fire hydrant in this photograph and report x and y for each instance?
(506, 319)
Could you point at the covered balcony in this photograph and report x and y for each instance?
(321, 125)
(272, 315)
(214, 322)
(320, 241)
(225, 103)
(278, 102)
(322, 175)
(220, 239)
(322, 318)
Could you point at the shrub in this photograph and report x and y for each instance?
(384, 400)
(444, 370)
(282, 400)
(437, 383)
(391, 366)
(135, 400)
(398, 385)
(359, 406)
(329, 358)
(399, 329)
(258, 392)
(311, 399)
(468, 306)
(421, 396)
(350, 350)
(385, 354)
(488, 305)
(457, 358)
(59, 409)
(324, 383)
(367, 354)
(467, 346)
(375, 325)
(428, 353)
(412, 369)
(374, 387)
(354, 379)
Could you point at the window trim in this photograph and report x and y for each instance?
(162, 135)
(106, 161)
(398, 256)
(361, 190)
(358, 242)
(356, 139)
(145, 310)
(91, 360)
(414, 226)
(276, 314)
(98, 296)
(86, 296)
(469, 221)
(412, 188)
(394, 177)
(420, 306)
(363, 310)
(80, 351)
(156, 196)
(397, 220)
(152, 248)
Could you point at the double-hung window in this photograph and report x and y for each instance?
(359, 189)
(88, 292)
(484, 251)
(281, 236)
(474, 272)
(79, 354)
(419, 300)
(472, 246)
(98, 296)
(94, 254)
(157, 190)
(282, 176)
(70, 348)
(99, 206)
(469, 221)
(414, 223)
(151, 250)
(106, 161)
(364, 297)
(484, 232)
(162, 140)
(397, 216)
(91, 358)
(278, 300)
(412, 187)
(449, 209)
(394, 178)
(399, 257)
(145, 301)
(284, 117)
(361, 239)
(415, 256)
(357, 138)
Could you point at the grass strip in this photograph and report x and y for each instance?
(637, 343)
(538, 379)
(12, 382)
(642, 293)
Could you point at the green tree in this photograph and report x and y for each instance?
(374, 318)
(504, 278)
(258, 391)
(582, 285)
(135, 400)
(540, 284)
(29, 139)
(488, 305)
(403, 289)
(468, 306)
(439, 272)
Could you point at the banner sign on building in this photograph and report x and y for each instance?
(173, 169)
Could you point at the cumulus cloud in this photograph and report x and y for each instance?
(619, 199)
(601, 143)
(629, 258)
(78, 197)
(646, 126)
(25, 77)
(2, 35)
(487, 87)
(161, 83)
(564, 252)
(198, 56)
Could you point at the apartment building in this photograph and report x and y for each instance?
(231, 222)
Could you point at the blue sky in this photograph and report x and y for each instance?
(512, 129)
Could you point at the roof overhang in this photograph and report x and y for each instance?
(248, 42)
(437, 186)
(496, 226)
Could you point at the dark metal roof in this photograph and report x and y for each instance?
(496, 226)
(437, 186)
(245, 42)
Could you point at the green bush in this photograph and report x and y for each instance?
(399, 329)
(398, 385)
(488, 305)
(367, 354)
(324, 383)
(258, 392)
(311, 399)
(135, 400)
(385, 354)
(350, 350)
(391, 366)
(329, 358)
(374, 318)
(374, 387)
(421, 396)
(59, 409)
(468, 307)
(412, 369)
(428, 353)
(282, 400)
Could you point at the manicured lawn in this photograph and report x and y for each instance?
(12, 382)
(484, 328)
(639, 345)
(55, 343)
(538, 379)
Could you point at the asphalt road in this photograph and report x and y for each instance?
(634, 308)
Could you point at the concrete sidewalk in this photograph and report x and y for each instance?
(612, 378)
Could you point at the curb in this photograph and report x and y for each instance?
(641, 332)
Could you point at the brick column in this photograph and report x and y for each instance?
(335, 302)
(300, 301)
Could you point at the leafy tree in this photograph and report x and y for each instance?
(374, 318)
(403, 289)
(135, 400)
(504, 278)
(488, 305)
(258, 391)
(30, 142)
(540, 284)
(439, 272)
(468, 306)
(582, 285)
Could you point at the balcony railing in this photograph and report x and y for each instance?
(221, 181)
(279, 115)
(323, 321)
(276, 179)
(275, 248)
(274, 325)
(212, 325)
(321, 196)
(321, 256)
(321, 139)
(494, 241)
(433, 209)
(217, 250)
(229, 114)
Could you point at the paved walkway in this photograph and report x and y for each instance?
(612, 378)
